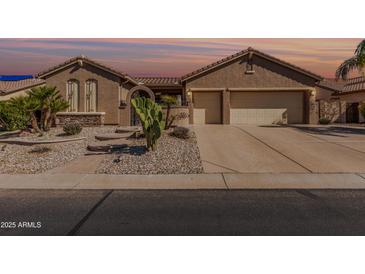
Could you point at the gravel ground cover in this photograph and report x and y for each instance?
(39, 158)
(173, 156)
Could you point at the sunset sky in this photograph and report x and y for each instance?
(168, 57)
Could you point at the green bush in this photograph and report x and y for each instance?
(72, 128)
(12, 117)
(324, 121)
(181, 132)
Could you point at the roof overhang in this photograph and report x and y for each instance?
(80, 61)
(250, 52)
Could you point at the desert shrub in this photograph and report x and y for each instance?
(12, 117)
(72, 128)
(181, 132)
(324, 121)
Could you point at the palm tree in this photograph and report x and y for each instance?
(50, 102)
(29, 105)
(56, 105)
(355, 62)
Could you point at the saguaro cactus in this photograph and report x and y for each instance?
(151, 118)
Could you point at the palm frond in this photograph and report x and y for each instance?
(346, 67)
(360, 50)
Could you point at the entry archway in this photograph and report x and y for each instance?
(137, 91)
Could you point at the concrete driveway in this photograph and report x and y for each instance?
(273, 149)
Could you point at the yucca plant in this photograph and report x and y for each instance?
(151, 117)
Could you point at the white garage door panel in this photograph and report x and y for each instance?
(257, 116)
(261, 107)
(199, 116)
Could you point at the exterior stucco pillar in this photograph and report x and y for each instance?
(226, 106)
(313, 115)
(189, 98)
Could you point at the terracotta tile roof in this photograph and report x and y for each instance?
(332, 84)
(356, 84)
(83, 58)
(159, 81)
(12, 86)
(243, 53)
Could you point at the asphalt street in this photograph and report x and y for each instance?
(182, 212)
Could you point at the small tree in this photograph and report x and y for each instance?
(45, 100)
(151, 118)
(29, 106)
(50, 102)
(168, 101)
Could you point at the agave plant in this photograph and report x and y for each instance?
(356, 62)
(151, 118)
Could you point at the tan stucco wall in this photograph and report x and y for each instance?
(108, 88)
(267, 75)
(323, 94)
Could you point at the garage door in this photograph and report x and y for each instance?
(207, 107)
(266, 107)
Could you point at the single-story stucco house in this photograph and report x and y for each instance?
(249, 87)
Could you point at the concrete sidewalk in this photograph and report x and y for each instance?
(228, 181)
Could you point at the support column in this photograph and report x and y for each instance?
(226, 106)
(189, 98)
(312, 107)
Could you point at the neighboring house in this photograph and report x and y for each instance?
(12, 86)
(340, 99)
(353, 93)
(247, 87)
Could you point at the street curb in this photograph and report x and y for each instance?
(213, 181)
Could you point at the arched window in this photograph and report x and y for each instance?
(73, 95)
(91, 95)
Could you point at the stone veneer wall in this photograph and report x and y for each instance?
(84, 118)
(182, 111)
(333, 109)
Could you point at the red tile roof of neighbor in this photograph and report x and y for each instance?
(356, 84)
(159, 81)
(243, 53)
(340, 86)
(12, 86)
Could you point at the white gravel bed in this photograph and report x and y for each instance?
(39, 158)
(172, 156)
